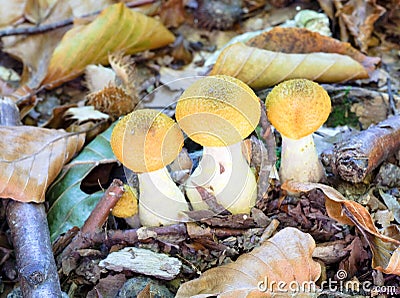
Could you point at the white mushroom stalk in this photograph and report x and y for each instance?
(161, 201)
(299, 160)
(225, 172)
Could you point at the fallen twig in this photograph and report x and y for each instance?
(93, 224)
(30, 234)
(391, 98)
(62, 23)
(99, 215)
(354, 158)
(265, 155)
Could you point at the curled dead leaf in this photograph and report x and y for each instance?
(31, 158)
(300, 40)
(286, 258)
(386, 250)
(359, 18)
(116, 28)
(261, 68)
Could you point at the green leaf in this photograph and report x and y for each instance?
(70, 206)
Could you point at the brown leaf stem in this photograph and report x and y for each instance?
(62, 23)
(30, 234)
(357, 156)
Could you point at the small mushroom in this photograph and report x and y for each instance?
(218, 112)
(146, 141)
(297, 108)
(127, 206)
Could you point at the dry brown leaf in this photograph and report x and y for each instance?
(386, 250)
(117, 28)
(35, 50)
(172, 13)
(261, 68)
(300, 40)
(84, 7)
(286, 257)
(31, 158)
(36, 11)
(360, 17)
(11, 11)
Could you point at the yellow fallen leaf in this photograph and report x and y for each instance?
(285, 258)
(117, 28)
(31, 158)
(300, 40)
(262, 68)
(386, 250)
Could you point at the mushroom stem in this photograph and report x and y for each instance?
(299, 160)
(160, 200)
(225, 172)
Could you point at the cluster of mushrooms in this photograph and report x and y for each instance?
(218, 112)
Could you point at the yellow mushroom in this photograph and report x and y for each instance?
(146, 141)
(127, 205)
(218, 112)
(297, 108)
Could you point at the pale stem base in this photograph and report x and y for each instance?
(160, 200)
(224, 172)
(299, 160)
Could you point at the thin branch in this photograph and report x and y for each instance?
(30, 234)
(63, 23)
(266, 155)
(99, 215)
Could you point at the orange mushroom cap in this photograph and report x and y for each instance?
(298, 107)
(146, 140)
(218, 111)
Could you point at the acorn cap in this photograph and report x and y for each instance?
(218, 111)
(298, 107)
(146, 140)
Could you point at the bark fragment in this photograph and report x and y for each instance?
(356, 157)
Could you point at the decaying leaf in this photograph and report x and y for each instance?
(11, 11)
(35, 50)
(386, 250)
(172, 13)
(286, 258)
(31, 158)
(70, 206)
(360, 17)
(116, 28)
(261, 68)
(37, 11)
(300, 41)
